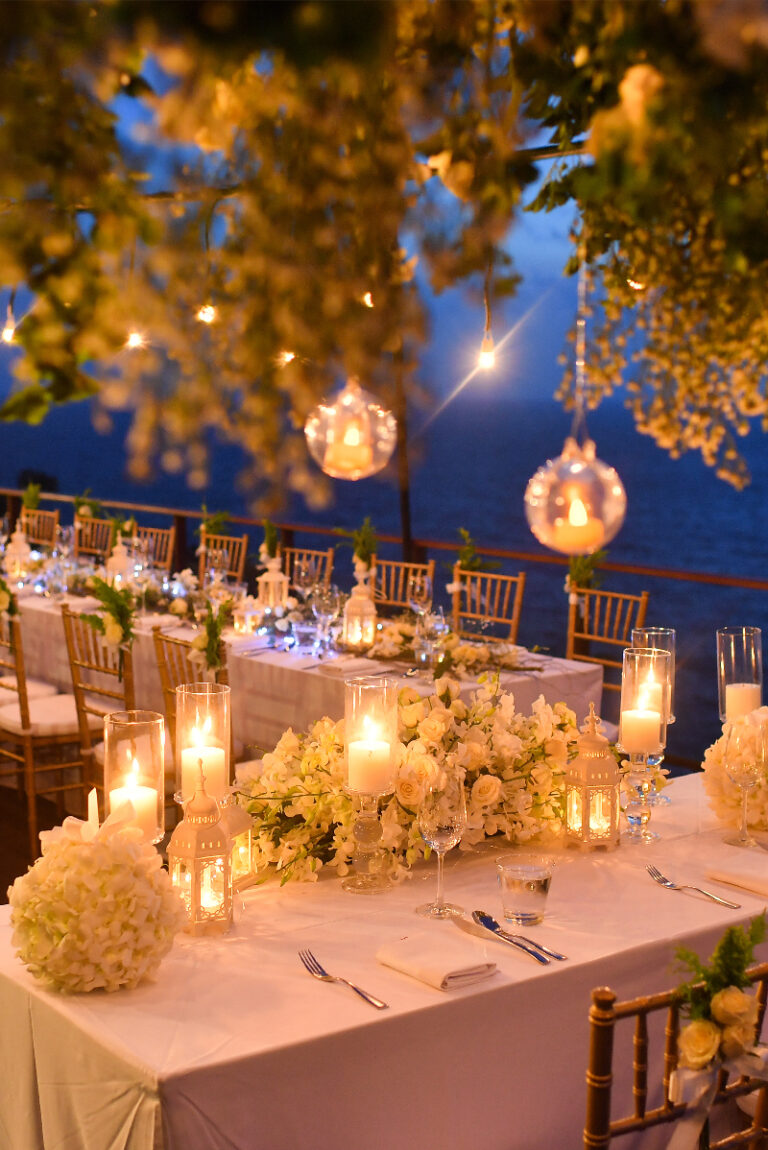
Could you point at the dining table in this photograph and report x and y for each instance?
(234, 1046)
(274, 689)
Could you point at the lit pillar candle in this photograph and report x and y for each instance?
(650, 695)
(741, 698)
(143, 799)
(369, 768)
(640, 731)
(579, 532)
(213, 762)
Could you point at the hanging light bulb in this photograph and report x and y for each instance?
(487, 357)
(352, 438)
(134, 340)
(367, 299)
(285, 357)
(576, 503)
(9, 329)
(206, 313)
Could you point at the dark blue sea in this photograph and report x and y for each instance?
(469, 468)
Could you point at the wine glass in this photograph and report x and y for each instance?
(442, 819)
(304, 576)
(745, 761)
(325, 603)
(419, 595)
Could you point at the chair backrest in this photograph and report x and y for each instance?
(321, 561)
(175, 667)
(600, 627)
(390, 585)
(92, 536)
(160, 540)
(102, 678)
(485, 599)
(227, 552)
(39, 526)
(14, 687)
(604, 1013)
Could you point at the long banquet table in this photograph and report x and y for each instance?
(234, 1046)
(273, 690)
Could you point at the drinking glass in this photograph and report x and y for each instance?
(325, 603)
(739, 670)
(419, 595)
(745, 762)
(662, 638)
(304, 576)
(442, 819)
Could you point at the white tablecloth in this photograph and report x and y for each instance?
(235, 1047)
(277, 690)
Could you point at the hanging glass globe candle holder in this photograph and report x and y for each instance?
(575, 503)
(352, 438)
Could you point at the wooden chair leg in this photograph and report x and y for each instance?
(29, 786)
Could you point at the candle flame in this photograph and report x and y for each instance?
(198, 734)
(577, 514)
(371, 729)
(352, 435)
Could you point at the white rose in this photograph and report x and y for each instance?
(178, 607)
(447, 685)
(737, 1038)
(486, 790)
(412, 714)
(732, 1007)
(113, 633)
(698, 1043)
(410, 792)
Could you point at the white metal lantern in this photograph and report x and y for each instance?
(239, 826)
(576, 503)
(592, 784)
(120, 563)
(359, 626)
(273, 585)
(353, 437)
(17, 556)
(199, 864)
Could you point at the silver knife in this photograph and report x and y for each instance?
(490, 924)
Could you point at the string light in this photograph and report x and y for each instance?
(636, 285)
(576, 503)
(285, 357)
(134, 340)
(9, 330)
(207, 313)
(368, 299)
(487, 357)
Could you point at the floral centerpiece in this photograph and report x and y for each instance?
(722, 1022)
(725, 795)
(458, 656)
(513, 763)
(97, 910)
(206, 647)
(184, 585)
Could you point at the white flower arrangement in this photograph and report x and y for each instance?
(184, 582)
(97, 910)
(725, 795)
(513, 763)
(394, 639)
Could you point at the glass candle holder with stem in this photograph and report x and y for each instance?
(370, 726)
(745, 762)
(134, 761)
(203, 738)
(643, 729)
(739, 671)
(442, 819)
(419, 595)
(663, 638)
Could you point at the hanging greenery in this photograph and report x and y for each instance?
(215, 210)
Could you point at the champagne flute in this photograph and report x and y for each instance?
(419, 595)
(442, 819)
(745, 761)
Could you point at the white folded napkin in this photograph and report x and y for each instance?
(438, 959)
(348, 667)
(749, 873)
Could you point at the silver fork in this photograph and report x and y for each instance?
(317, 971)
(662, 880)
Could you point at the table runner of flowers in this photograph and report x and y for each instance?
(455, 655)
(513, 763)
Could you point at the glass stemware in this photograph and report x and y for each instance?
(745, 762)
(419, 595)
(304, 576)
(442, 819)
(325, 603)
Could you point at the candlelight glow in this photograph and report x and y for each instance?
(577, 513)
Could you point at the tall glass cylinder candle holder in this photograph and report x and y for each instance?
(739, 671)
(203, 738)
(370, 724)
(663, 638)
(134, 743)
(645, 694)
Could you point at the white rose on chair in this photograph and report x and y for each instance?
(698, 1044)
(197, 649)
(733, 1007)
(113, 632)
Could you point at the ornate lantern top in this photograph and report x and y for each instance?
(594, 762)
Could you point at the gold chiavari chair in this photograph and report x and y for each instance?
(600, 627)
(39, 527)
(484, 599)
(160, 541)
(92, 537)
(390, 581)
(102, 681)
(321, 563)
(39, 733)
(227, 553)
(600, 1127)
(175, 667)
